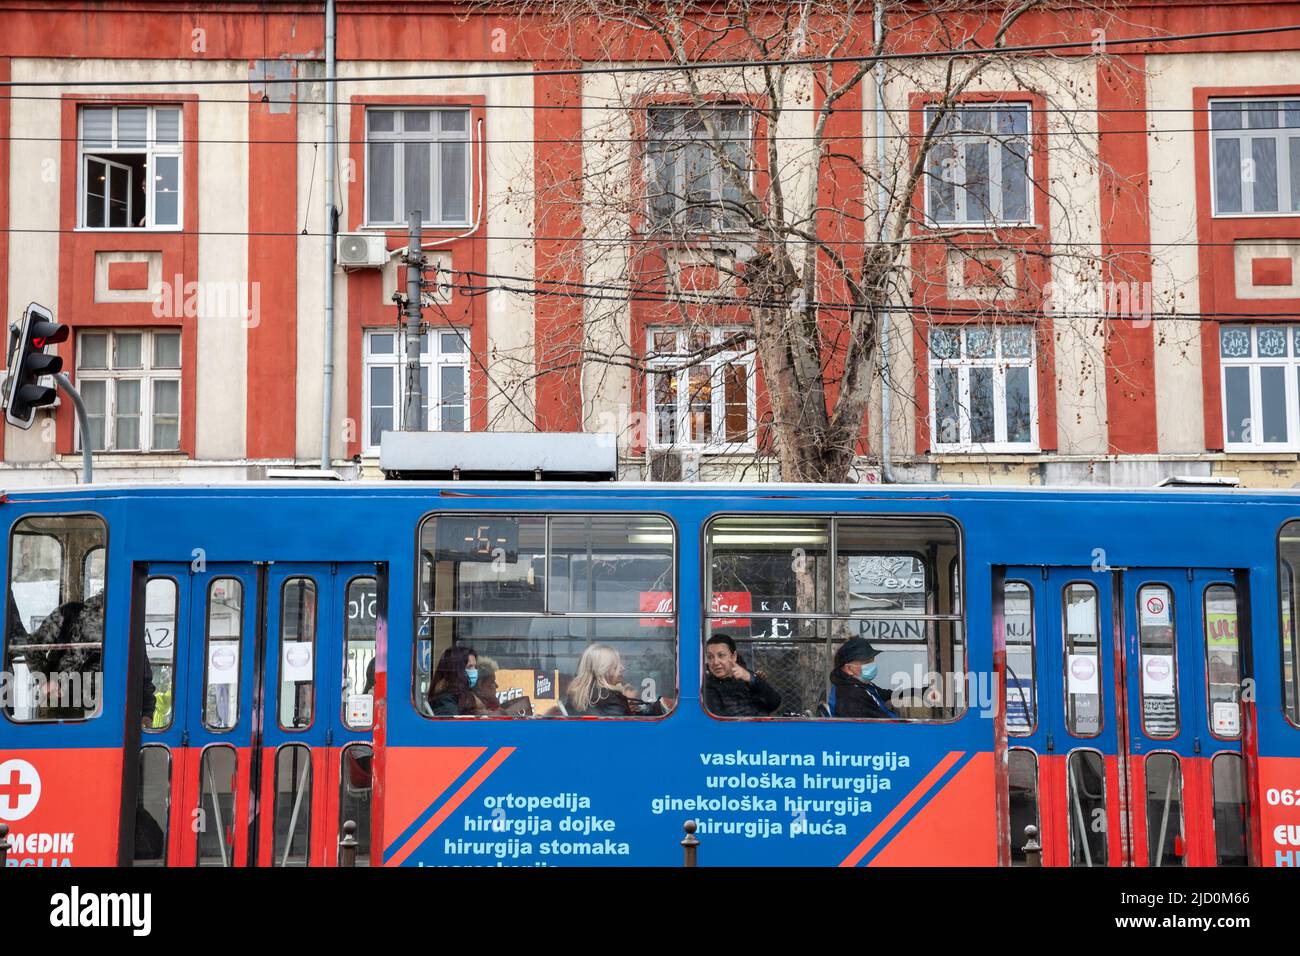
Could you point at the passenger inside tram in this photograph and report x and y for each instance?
(598, 689)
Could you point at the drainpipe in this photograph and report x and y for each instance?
(327, 404)
(878, 22)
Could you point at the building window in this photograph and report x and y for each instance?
(131, 384)
(983, 388)
(695, 184)
(130, 167)
(1259, 384)
(978, 167)
(444, 362)
(417, 159)
(1256, 147)
(701, 388)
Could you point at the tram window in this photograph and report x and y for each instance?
(359, 654)
(528, 596)
(1022, 798)
(291, 845)
(1022, 687)
(297, 653)
(54, 631)
(1156, 627)
(1288, 562)
(215, 816)
(153, 807)
(791, 591)
(1230, 810)
(354, 795)
(1082, 661)
(1164, 810)
(92, 571)
(160, 650)
(222, 652)
(1086, 800)
(1222, 661)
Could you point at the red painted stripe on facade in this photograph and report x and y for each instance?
(456, 799)
(1126, 218)
(272, 305)
(901, 809)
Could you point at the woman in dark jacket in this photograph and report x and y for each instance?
(598, 689)
(451, 692)
(855, 694)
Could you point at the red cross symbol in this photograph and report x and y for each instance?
(14, 789)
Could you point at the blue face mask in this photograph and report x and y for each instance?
(868, 672)
(472, 674)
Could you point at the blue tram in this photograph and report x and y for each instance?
(222, 676)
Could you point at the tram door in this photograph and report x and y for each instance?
(1123, 717)
(260, 744)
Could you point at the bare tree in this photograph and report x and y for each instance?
(724, 194)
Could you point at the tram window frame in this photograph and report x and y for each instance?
(947, 634)
(348, 639)
(309, 611)
(66, 572)
(1288, 626)
(1205, 622)
(1181, 835)
(364, 836)
(1105, 804)
(211, 821)
(277, 859)
(1071, 721)
(1032, 708)
(176, 627)
(165, 824)
(1223, 756)
(207, 651)
(1038, 805)
(426, 561)
(1170, 604)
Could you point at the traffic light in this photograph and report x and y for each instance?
(28, 363)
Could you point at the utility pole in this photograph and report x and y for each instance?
(413, 415)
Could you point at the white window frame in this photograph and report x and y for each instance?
(661, 364)
(1244, 134)
(146, 375)
(432, 136)
(432, 358)
(960, 141)
(999, 364)
(718, 222)
(1290, 364)
(151, 150)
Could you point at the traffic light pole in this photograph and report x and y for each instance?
(413, 416)
(87, 467)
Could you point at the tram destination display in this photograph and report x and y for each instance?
(477, 538)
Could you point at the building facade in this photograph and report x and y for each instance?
(1115, 299)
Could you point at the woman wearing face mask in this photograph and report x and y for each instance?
(451, 689)
(598, 689)
(854, 691)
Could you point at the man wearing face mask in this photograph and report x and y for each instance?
(855, 693)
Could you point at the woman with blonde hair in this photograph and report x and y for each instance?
(598, 689)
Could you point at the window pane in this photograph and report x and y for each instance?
(132, 126)
(1222, 663)
(979, 343)
(53, 628)
(166, 415)
(297, 653)
(126, 350)
(736, 401)
(292, 812)
(606, 563)
(1082, 661)
(700, 404)
(92, 350)
(380, 178)
(1022, 794)
(216, 839)
(166, 350)
(1015, 180)
(221, 674)
(945, 343)
(453, 182)
(769, 566)
(1225, 115)
(354, 796)
(454, 121)
(166, 190)
(160, 638)
(1227, 175)
(359, 654)
(977, 183)
(381, 402)
(487, 562)
(415, 173)
(381, 121)
(1159, 661)
(153, 807)
(1294, 151)
(1022, 700)
(1019, 420)
(96, 193)
(942, 175)
(451, 343)
(1230, 810)
(119, 196)
(947, 421)
(1164, 810)
(1236, 388)
(665, 407)
(1086, 792)
(380, 343)
(1017, 341)
(167, 125)
(1263, 154)
(1234, 341)
(1262, 114)
(981, 405)
(452, 379)
(97, 127)
(1272, 387)
(416, 121)
(126, 416)
(94, 394)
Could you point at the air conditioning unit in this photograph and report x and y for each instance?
(356, 250)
